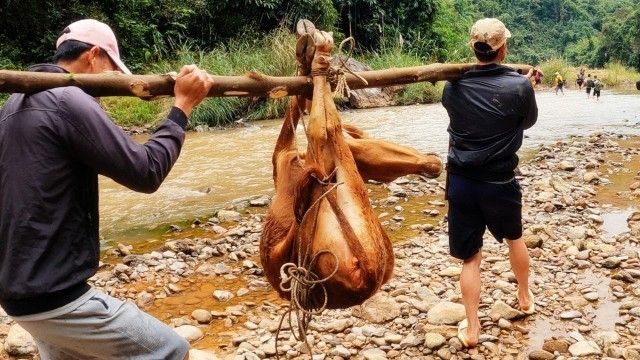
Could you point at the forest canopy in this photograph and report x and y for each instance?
(584, 32)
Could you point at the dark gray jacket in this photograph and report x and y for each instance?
(53, 145)
(489, 108)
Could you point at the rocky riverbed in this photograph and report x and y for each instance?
(580, 225)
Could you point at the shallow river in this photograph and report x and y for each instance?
(217, 167)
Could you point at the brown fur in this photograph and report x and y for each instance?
(342, 221)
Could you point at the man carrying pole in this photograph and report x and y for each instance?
(488, 108)
(53, 145)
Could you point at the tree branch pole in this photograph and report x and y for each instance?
(249, 85)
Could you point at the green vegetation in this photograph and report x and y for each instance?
(394, 56)
(129, 111)
(230, 37)
(618, 74)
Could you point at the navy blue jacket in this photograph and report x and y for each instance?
(53, 145)
(489, 108)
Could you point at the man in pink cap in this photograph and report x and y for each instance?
(489, 108)
(53, 145)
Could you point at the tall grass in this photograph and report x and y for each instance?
(617, 74)
(270, 55)
(613, 74)
(6, 64)
(556, 65)
(130, 111)
(393, 56)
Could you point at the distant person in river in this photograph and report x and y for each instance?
(597, 86)
(580, 78)
(558, 82)
(483, 193)
(53, 145)
(537, 76)
(588, 85)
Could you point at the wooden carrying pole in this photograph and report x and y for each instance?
(251, 84)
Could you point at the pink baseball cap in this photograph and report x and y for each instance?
(95, 33)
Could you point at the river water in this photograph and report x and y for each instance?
(218, 167)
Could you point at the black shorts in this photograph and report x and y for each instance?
(475, 206)
(596, 92)
(579, 81)
(588, 90)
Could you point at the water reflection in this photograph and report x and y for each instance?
(615, 222)
(218, 167)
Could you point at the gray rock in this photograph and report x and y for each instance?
(572, 314)
(612, 262)
(446, 313)
(202, 316)
(451, 271)
(504, 324)
(145, 299)
(541, 355)
(189, 332)
(338, 326)
(19, 342)
(501, 310)
(552, 346)
(607, 338)
(374, 354)
(434, 341)
(222, 295)
(591, 296)
(195, 354)
(341, 351)
(392, 338)
(228, 215)
(585, 348)
(378, 309)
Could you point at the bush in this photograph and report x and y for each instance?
(131, 111)
(393, 56)
(556, 65)
(272, 55)
(617, 74)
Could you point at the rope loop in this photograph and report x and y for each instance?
(339, 73)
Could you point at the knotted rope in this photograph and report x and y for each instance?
(302, 281)
(338, 73)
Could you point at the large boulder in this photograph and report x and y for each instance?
(379, 309)
(368, 98)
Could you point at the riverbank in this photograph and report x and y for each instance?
(207, 283)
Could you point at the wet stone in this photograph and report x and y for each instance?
(552, 346)
(202, 316)
(541, 355)
(573, 314)
(222, 295)
(591, 296)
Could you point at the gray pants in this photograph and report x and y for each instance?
(98, 326)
